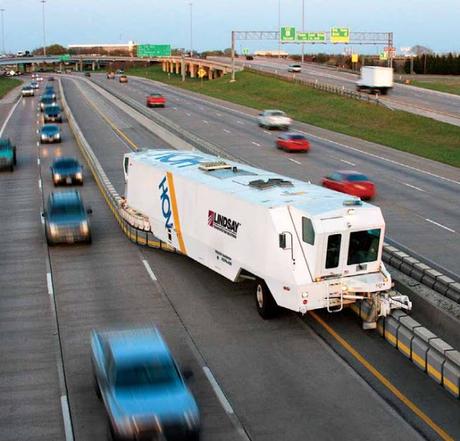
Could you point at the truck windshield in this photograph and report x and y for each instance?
(364, 246)
(161, 373)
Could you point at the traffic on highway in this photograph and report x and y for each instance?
(181, 262)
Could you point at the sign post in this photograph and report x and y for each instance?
(201, 73)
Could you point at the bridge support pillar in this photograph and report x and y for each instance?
(192, 70)
(163, 66)
(61, 67)
(210, 74)
(93, 66)
(177, 68)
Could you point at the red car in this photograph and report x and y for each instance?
(293, 142)
(156, 100)
(350, 182)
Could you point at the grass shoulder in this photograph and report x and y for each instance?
(448, 86)
(7, 84)
(400, 130)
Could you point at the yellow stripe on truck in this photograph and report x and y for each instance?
(172, 190)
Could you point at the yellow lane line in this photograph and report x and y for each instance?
(175, 211)
(380, 377)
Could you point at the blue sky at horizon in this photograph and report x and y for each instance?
(145, 21)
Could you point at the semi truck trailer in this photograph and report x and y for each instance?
(375, 79)
(304, 246)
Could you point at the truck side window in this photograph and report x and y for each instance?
(333, 250)
(126, 165)
(308, 232)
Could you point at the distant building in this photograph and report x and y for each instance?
(271, 53)
(104, 49)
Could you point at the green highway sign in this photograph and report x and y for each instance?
(340, 35)
(245, 51)
(154, 50)
(65, 57)
(287, 33)
(311, 36)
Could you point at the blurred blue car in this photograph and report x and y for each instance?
(142, 388)
(50, 133)
(66, 220)
(66, 171)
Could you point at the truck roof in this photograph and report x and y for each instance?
(248, 183)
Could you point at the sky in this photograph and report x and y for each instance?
(426, 22)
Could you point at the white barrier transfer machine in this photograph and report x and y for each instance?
(306, 247)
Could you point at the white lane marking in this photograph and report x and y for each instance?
(373, 155)
(40, 184)
(218, 114)
(49, 283)
(149, 270)
(38, 143)
(38, 161)
(413, 186)
(42, 219)
(227, 131)
(188, 114)
(347, 162)
(205, 121)
(255, 143)
(240, 122)
(440, 225)
(66, 416)
(10, 114)
(174, 108)
(295, 161)
(218, 391)
(201, 107)
(267, 132)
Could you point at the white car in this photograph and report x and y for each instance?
(28, 90)
(294, 68)
(274, 119)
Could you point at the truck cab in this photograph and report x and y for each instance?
(7, 154)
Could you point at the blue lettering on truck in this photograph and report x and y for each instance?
(179, 159)
(165, 203)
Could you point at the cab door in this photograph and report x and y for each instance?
(334, 245)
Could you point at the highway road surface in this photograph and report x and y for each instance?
(437, 105)
(288, 379)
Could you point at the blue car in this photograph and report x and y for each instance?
(66, 220)
(47, 100)
(50, 133)
(143, 390)
(52, 114)
(7, 154)
(66, 171)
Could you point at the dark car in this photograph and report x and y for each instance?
(87, 74)
(293, 142)
(50, 78)
(47, 100)
(66, 171)
(66, 220)
(142, 387)
(7, 154)
(49, 90)
(120, 71)
(52, 114)
(50, 133)
(350, 182)
(155, 100)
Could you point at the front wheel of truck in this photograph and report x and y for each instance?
(265, 303)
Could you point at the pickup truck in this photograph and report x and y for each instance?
(7, 154)
(142, 388)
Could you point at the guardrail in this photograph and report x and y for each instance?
(137, 234)
(315, 84)
(427, 351)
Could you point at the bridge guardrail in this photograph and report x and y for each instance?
(137, 234)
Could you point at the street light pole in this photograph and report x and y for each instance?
(279, 28)
(44, 32)
(3, 32)
(191, 29)
(303, 28)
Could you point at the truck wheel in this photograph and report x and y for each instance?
(265, 303)
(14, 156)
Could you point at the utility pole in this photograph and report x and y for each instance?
(279, 28)
(191, 29)
(303, 29)
(44, 31)
(3, 32)
(233, 57)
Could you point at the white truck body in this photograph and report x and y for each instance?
(234, 218)
(376, 78)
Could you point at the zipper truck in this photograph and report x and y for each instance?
(305, 246)
(375, 79)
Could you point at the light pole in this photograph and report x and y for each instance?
(3, 32)
(191, 29)
(279, 28)
(303, 28)
(44, 32)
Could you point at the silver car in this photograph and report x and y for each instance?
(27, 91)
(294, 68)
(274, 119)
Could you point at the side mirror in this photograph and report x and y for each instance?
(187, 374)
(89, 210)
(44, 213)
(282, 241)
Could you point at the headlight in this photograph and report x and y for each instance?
(53, 230)
(84, 227)
(57, 136)
(79, 176)
(43, 136)
(57, 176)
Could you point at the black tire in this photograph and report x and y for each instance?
(97, 389)
(11, 168)
(265, 303)
(194, 436)
(89, 239)
(14, 156)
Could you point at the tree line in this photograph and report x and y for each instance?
(447, 64)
